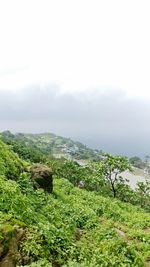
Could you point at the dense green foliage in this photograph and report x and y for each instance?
(71, 227)
(111, 168)
(35, 146)
(26, 149)
(10, 164)
(95, 177)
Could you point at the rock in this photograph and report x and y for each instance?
(42, 177)
(9, 254)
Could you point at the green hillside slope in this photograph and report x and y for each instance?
(71, 227)
(10, 164)
(51, 144)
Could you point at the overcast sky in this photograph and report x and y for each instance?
(78, 68)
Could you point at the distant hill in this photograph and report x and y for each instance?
(54, 145)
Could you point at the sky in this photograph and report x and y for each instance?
(78, 69)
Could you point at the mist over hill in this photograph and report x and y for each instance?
(102, 119)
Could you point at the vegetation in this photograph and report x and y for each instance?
(137, 162)
(111, 168)
(26, 145)
(26, 150)
(73, 227)
(70, 227)
(10, 164)
(95, 177)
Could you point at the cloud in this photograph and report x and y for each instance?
(100, 118)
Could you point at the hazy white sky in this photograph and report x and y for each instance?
(76, 44)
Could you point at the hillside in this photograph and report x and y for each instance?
(54, 145)
(44, 147)
(10, 164)
(71, 227)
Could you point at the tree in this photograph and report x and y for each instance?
(111, 168)
(143, 195)
(72, 171)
